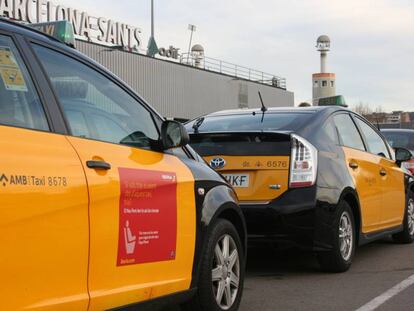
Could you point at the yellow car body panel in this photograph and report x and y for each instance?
(382, 203)
(43, 223)
(268, 175)
(111, 285)
(393, 200)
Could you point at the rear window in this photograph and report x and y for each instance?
(400, 139)
(241, 144)
(250, 122)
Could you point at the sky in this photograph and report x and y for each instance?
(372, 41)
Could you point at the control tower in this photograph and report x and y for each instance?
(323, 83)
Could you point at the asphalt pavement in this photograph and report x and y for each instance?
(291, 280)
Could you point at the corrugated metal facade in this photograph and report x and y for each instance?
(182, 91)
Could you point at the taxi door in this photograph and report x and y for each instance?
(142, 202)
(394, 193)
(364, 169)
(43, 202)
(391, 177)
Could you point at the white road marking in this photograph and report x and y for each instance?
(381, 299)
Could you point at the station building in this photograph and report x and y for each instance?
(180, 86)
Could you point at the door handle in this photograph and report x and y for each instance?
(353, 165)
(383, 172)
(98, 165)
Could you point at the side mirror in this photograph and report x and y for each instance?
(173, 135)
(402, 155)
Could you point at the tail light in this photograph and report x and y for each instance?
(409, 165)
(303, 163)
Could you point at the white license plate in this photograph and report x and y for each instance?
(237, 180)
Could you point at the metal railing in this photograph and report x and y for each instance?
(237, 71)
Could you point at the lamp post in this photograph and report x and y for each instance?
(152, 18)
(152, 45)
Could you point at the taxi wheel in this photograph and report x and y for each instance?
(407, 235)
(221, 276)
(339, 259)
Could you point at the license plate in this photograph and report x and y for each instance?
(237, 180)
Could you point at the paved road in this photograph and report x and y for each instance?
(290, 280)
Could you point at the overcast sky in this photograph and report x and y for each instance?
(372, 49)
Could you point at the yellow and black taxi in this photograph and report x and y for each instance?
(103, 204)
(321, 177)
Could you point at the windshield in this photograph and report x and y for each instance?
(248, 122)
(400, 139)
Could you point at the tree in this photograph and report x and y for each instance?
(379, 109)
(362, 109)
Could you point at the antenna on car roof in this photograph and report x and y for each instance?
(197, 123)
(263, 109)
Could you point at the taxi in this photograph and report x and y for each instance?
(103, 204)
(321, 178)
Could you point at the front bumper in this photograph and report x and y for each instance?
(291, 219)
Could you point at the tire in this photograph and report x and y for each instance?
(407, 235)
(205, 298)
(339, 259)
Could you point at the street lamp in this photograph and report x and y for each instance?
(152, 45)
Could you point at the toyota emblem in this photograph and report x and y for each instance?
(217, 163)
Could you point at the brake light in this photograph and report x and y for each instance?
(409, 165)
(303, 163)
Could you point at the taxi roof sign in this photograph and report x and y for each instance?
(60, 30)
(338, 100)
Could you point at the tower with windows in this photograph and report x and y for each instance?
(323, 83)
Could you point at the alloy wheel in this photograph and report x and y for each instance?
(226, 272)
(346, 236)
(410, 215)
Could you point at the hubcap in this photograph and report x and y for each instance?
(411, 216)
(346, 239)
(226, 272)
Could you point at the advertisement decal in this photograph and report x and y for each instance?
(147, 216)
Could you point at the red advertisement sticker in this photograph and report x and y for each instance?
(147, 216)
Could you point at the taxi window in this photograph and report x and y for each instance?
(376, 144)
(108, 112)
(400, 139)
(250, 122)
(348, 132)
(19, 103)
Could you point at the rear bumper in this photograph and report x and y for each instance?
(294, 219)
